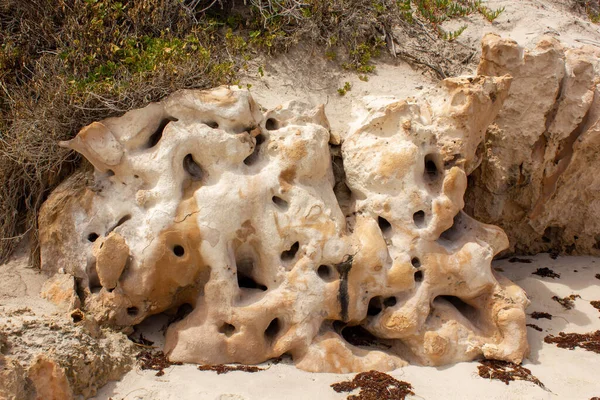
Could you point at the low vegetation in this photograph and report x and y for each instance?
(66, 63)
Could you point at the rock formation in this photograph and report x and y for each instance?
(206, 204)
(57, 357)
(537, 178)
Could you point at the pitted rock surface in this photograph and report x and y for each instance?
(207, 203)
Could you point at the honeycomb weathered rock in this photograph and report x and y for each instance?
(203, 200)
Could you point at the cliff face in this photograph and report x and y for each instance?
(538, 176)
(205, 202)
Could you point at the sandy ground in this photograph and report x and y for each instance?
(567, 374)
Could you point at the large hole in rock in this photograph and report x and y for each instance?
(453, 233)
(157, 135)
(432, 171)
(133, 311)
(288, 255)
(327, 273)
(273, 329)
(192, 168)
(227, 329)
(359, 336)
(419, 219)
(385, 226)
(418, 276)
(272, 124)
(252, 158)
(182, 311)
(245, 271)
(415, 262)
(280, 203)
(390, 301)
(375, 306)
(212, 124)
(92, 237)
(178, 250)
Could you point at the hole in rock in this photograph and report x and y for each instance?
(227, 329)
(451, 234)
(273, 329)
(289, 255)
(358, 336)
(192, 168)
(415, 262)
(390, 302)
(431, 169)
(77, 316)
(326, 273)
(132, 311)
(212, 124)
(245, 267)
(178, 250)
(419, 218)
(182, 311)
(467, 310)
(252, 158)
(92, 237)
(247, 282)
(110, 172)
(375, 306)
(272, 124)
(418, 276)
(157, 135)
(385, 226)
(281, 203)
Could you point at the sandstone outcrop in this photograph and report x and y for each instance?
(538, 177)
(54, 357)
(207, 204)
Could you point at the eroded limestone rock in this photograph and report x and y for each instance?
(203, 201)
(538, 178)
(58, 358)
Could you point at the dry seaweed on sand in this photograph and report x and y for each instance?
(375, 385)
(597, 276)
(506, 371)
(223, 369)
(587, 341)
(540, 315)
(534, 326)
(566, 302)
(595, 304)
(546, 273)
(156, 361)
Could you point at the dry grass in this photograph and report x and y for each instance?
(67, 63)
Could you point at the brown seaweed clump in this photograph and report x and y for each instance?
(567, 302)
(506, 372)
(375, 385)
(539, 315)
(595, 304)
(546, 273)
(587, 341)
(156, 361)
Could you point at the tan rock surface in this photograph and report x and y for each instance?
(538, 179)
